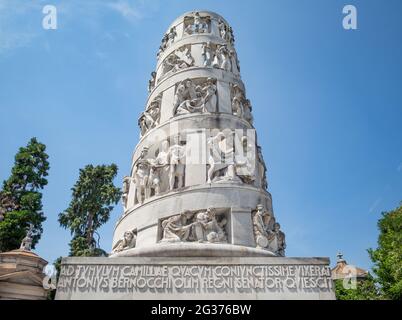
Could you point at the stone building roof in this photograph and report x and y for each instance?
(21, 274)
(343, 270)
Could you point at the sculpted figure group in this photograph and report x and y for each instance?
(150, 118)
(167, 41)
(191, 97)
(226, 32)
(196, 24)
(227, 163)
(178, 60)
(149, 175)
(267, 232)
(219, 56)
(200, 226)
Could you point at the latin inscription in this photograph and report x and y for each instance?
(194, 278)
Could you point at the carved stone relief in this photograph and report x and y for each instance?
(195, 95)
(195, 226)
(167, 40)
(228, 162)
(196, 24)
(178, 60)
(226, 32)
(150, 118)
(267, 232)
(219, 56)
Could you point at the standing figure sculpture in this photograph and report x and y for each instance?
(125, 191)
(209, 99)
(237, 101)
(160, 169)
(140, 176)
(222, 29)
(26, 243)
(207, 54)
(224, 58)
(177, 165)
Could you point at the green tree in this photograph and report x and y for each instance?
(387, 258)
(20, 196)
(93, 198)
(365, 290)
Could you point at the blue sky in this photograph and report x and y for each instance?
(327, 105)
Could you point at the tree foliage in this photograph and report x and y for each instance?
(20, 196)
(365, 290)
(387, 258)
(93, 198)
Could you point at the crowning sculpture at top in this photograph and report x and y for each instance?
(198, 178)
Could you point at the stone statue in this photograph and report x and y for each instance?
(163, 45)
(237, 101)
(222, 58)
(208, 229)
(245, 167)
(26, 243)
(125, 191)
(214, 154)
(261, 223)
(150, 118)
(209, 99)
(199, 25)
(230, 37)
(160, 169)
(234, 59)
(222, 29)
(207, 54)
(177, 228)
(127, 242)
(140, 176)
(177, 165)
(221, 165)
(171, 37)
(152, 82)
(276, 240)
(247, 108)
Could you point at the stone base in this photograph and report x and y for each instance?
(194, 249)
(202, 278)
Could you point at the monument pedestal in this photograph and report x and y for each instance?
(195, 278)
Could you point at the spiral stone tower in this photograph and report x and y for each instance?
(197, 153)
(198, 221)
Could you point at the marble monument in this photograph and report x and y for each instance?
(198, 221)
